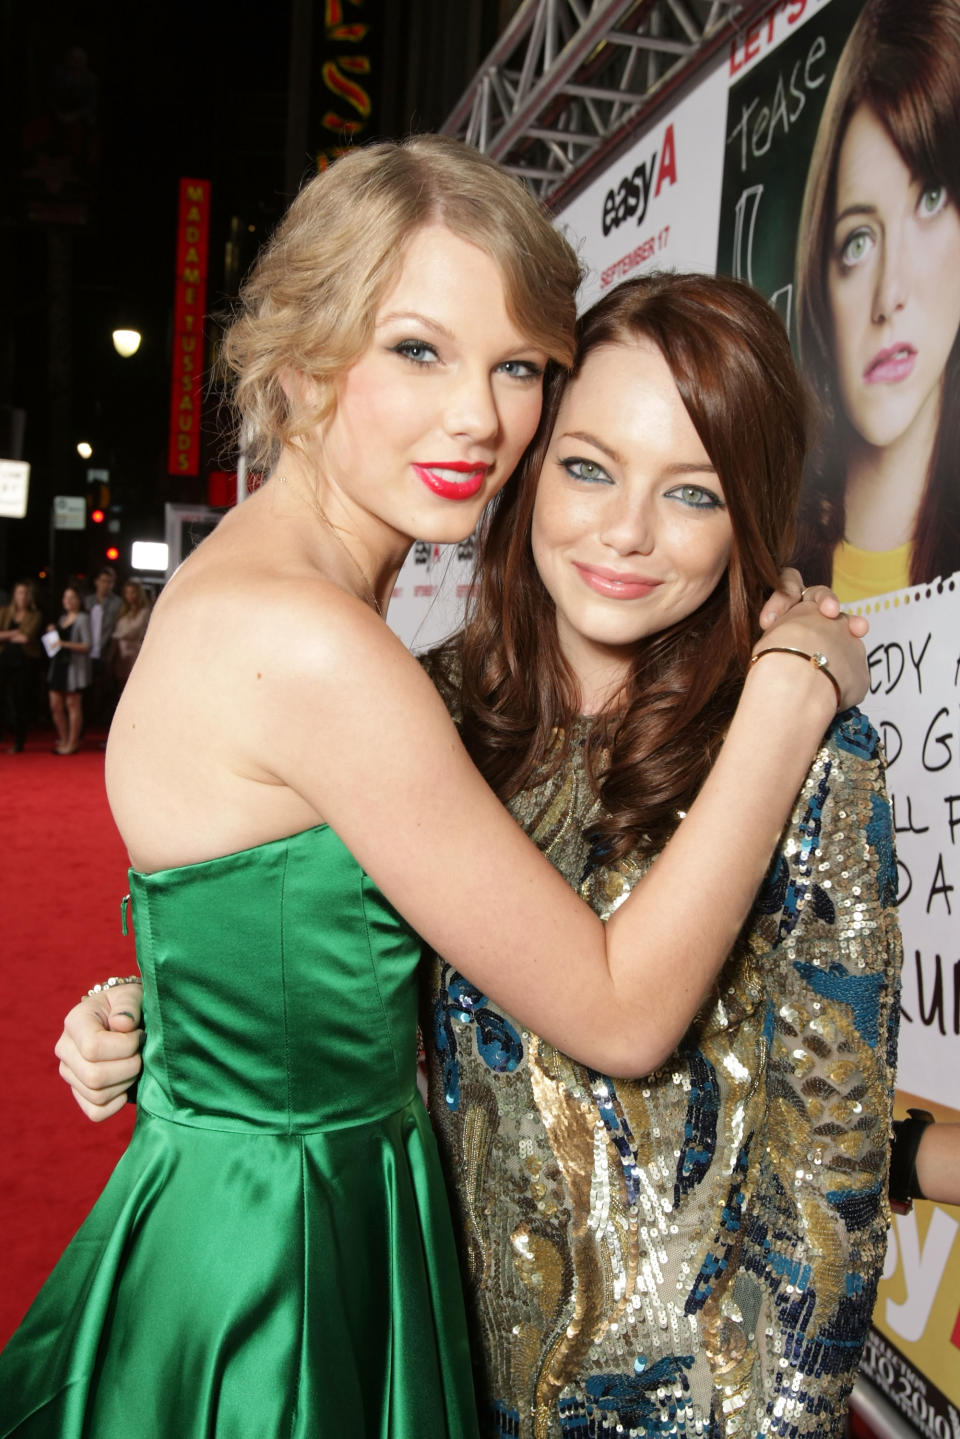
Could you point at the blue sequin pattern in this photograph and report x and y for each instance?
(695, 1252)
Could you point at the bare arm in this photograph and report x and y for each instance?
(659, 954)
(406, 800)
(938, 1163)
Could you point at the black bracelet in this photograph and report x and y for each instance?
(907, 1134)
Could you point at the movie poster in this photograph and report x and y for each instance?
(842, 156)
(820, 212)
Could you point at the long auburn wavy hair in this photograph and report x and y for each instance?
(652, 747)
(902, 60)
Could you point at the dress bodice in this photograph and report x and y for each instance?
(302, 1017)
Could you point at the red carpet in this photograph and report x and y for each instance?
(63, 876)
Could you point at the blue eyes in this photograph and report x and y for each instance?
(521, 369)
(694, 497)
(419, 352)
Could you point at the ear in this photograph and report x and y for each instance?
(298, 387)
(306, 395)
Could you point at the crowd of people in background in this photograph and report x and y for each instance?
(80, 647)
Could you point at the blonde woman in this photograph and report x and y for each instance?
(128, 631)
(20, 653)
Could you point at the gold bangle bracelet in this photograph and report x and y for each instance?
(817, 659)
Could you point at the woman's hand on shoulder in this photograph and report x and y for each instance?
(806, 627)
(99, 1049)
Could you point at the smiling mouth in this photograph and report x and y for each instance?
(615, 586)
(458, 481)
(891, 365)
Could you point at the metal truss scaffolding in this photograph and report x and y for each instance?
(568, 78)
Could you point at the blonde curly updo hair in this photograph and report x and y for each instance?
(310, 302)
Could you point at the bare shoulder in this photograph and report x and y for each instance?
(332, 669)
(258, 676)
(263, 650)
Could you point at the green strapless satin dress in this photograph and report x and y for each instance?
(273, 1254)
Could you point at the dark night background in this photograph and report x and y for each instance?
(105, 106)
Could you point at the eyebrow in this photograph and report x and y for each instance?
(680, 467)
(690, 467)
(418, 319)
(860, 208)
(589, 439)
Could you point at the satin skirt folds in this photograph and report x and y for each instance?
(251, 1286)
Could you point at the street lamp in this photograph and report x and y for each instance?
(84, 449)
(126, 342)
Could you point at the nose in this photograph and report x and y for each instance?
(890, 294)
(628, 523)
(471, 410)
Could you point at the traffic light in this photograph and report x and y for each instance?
(112, 553)
(97, 517)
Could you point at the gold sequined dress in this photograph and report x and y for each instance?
(695, 1252)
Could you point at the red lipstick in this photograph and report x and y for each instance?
(439, 478)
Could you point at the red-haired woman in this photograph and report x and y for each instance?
(698, 1248)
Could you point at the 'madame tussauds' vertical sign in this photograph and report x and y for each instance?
(190, 297)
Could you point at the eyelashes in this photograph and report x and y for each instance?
(415, 351)
(694, 497)
(425, 355)
(586, 470)
(522, 369)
